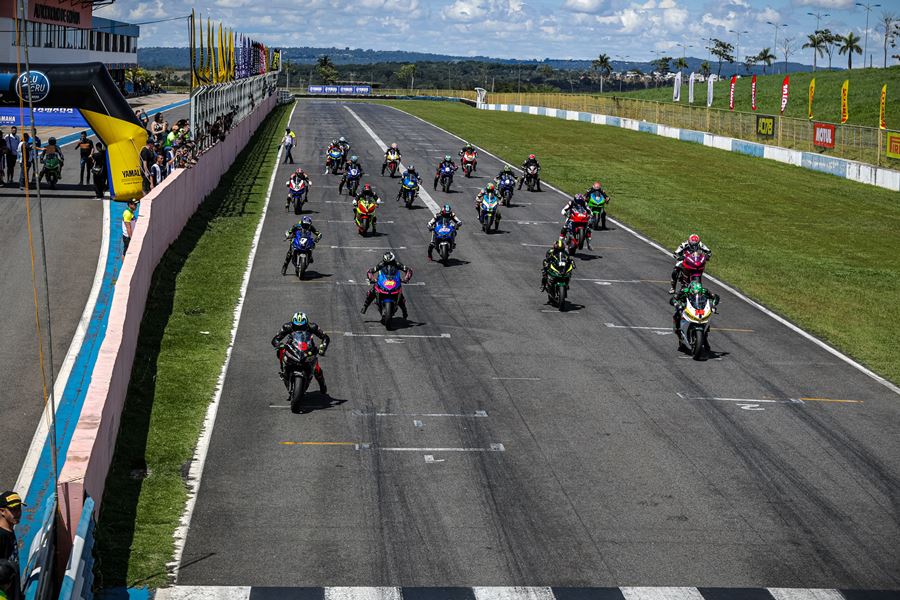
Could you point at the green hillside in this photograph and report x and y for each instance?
(864, 96)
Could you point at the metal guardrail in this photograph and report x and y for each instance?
(854, 142)
(213, 101)
(78, 582)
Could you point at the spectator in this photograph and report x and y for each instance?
(170, 157)
(98, 169)
(148, 159)
(171, 136)
(10, 514)
(142, 117)
(9, 581)
(25, 154)
(158, 127)
(128, 218)
(158, 170)
(12, 145)
(2, 157)
(35, 140)
(85, 148)
(288, 142)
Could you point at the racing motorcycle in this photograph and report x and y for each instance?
(444, 238)
(531, 177)
(365, 216)
(388, 292)
(52, 169)
(597, 203)
(296, 195)
(351, 179)
(299, 356)
(489, 212)
(409, 189)
(559, 273)
(393, 162)
(692, 266)
(577, 234)
(469, 162)
(334, 158)
(446, 177)
(506, 184)
(302, 245)
(691, 325)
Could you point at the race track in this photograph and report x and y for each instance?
(497, 442)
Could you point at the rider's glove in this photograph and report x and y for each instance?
(322, 348)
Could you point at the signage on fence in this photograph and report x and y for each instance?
(347, 90)
(882, 124)
(893, 145)
(823, 135)
(753, 94)
(765, 126)
(731, 93)
(43, 117)
(845, 89)
(785, 90)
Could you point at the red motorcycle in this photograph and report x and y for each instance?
(578, 229)
(468, 161)
(692, 266)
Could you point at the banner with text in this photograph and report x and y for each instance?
(845, 112)
(691, 89)
(812, 92)
(753, 93)
(882, 124)
(731, 92)
(43, 117)
(823, 135)
(785, 88)
(347, 90)
(893, 145)
(765, 126)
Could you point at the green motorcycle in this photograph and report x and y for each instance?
(597, 203)
(559, 273)
(52, 169)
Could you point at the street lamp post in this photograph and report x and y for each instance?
(775, 44)
(818, 16)
(737, 50)
(868, 8)
(684, 48)
(621, 75)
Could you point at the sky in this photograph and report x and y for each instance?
(525, 29)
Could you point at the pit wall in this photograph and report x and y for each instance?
(847, 169)
(162, 215)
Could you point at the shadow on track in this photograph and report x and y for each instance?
(314, 401)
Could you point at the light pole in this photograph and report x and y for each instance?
(684, 48)
(737, 50)
(775, 43)
(868, 8)
(818, 16)
(621, 75)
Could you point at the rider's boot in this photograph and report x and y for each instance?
(366, 304)
(430, 250)
(284, 268)
(403, 308)
(320, 379)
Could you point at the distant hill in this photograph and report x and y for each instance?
(179, 58)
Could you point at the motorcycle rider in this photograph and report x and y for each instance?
(692, 244)
(297, 177)
(506, 171)
(299, 323)
(679, 301)
(305, 225)
(387, 260)
(556, 253)
(469, 148)
(447, 162)
(412, 175)
(529, 162)
(368, 197)
(393, 149)
(50, 149)
(354, 162)
(596, 189)
(489, 189)
(445, 213)
(579, 202)
(344, 144)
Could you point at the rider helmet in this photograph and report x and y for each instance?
(446, 158)
(367, 187)
(578, 199)
(695, 288)
(52, 141)
(306, 221)
(412, 168)
(694, 240)
(394, 146)
(531, 157)
(388, 257)
(354, 158)
(507, 169)
(558, 245)
(299, 319)
(596, 187)
(342, 139)
(490, 188)
(446, 211)
(333, 142)
(299, 171)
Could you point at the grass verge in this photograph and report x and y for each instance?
(194, 289)
(816, 248)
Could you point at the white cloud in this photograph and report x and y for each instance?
(826, 3)
(585, 6)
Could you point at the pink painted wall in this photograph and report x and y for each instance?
(163, 214)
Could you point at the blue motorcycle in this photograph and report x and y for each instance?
(351, 180)
(444, 238)
(302, 245)
(446, 177)
(409, 189)
(506, 184)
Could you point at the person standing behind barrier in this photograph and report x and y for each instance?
(158, 171)
(98, 169)
(288, 142)
(85, 148)
(3, 151)
(25, 154)
(12, 143)
(158, 128)
(10, 515)
(128, 225)
(9, 581)
(148, 159)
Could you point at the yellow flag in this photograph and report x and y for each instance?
(221, 55)
(192, 41)
(845, 90)
(881, 122)
(812, 92)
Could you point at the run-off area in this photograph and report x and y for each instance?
(486, 441)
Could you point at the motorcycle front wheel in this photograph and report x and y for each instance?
(561, 295)
(298, 389)
(387, 314)
(697, 341)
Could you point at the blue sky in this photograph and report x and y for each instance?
(518, 28)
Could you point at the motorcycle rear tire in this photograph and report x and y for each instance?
(298, 389)
(581, 238)
(603, 220)
(409, 200)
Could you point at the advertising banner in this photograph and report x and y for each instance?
(753, 93)
(785, 88)
(893, 145)
(731, 92)
(676, 90)
(823, 135)
(882, 124)
(765, 126)
(43, 117)
(691, 89)
(845, 90)
(347, 90)
(812, 92)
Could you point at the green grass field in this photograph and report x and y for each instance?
(863, 98)
(195, 289)
(820, 250)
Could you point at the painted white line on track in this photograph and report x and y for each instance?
(33, 456)
(362, 593)
(491, 448)
(638, 327)
(517, 378)
(795, 328)
(513, 593)
(371, 248)
(399, 335)
(661, 593)
(200, 452)
(805, 594)
(199, 592)
(366, 283)
(754, 400)
(478, 414)
(535, 245)
(423, 194)
(429, 458)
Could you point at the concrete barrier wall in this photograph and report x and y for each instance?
(848, 169)
(162, 216)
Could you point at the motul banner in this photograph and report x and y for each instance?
(845, 89)
(676, 91)
(731, 93)
(882, 124)
(691, 89)
(753, 93)
(823, 135)
(812, 92)
(785, 87)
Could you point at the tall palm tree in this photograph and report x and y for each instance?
(817, 42)
(603, 65)
(681, 63)
(848, 45)
(766, 57)
(704, 68)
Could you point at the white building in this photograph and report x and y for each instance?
(66, 31)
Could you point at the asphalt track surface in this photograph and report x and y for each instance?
(73, 221)
(583, 454)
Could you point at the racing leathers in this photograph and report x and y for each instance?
(390, 154)
(528, 163)
(679, 301)
(444, 163)
(344, 181)
(678, 255)
(434, 220)
(470, 149)
(372, 273)
(556, 253)
(296, 179)
(310, 228)
(309, 331)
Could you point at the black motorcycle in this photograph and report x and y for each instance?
(299, 355)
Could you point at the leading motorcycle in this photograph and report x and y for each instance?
(597, 202)
(393, 162)
(388, 292)
(469, 162)
(531, 177)
(559, 272)
(299, 356)
(296, 195)
(691, 325)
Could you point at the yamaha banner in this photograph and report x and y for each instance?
(43, 117)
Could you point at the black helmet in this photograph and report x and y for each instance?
(446, 211)
(388, 256)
